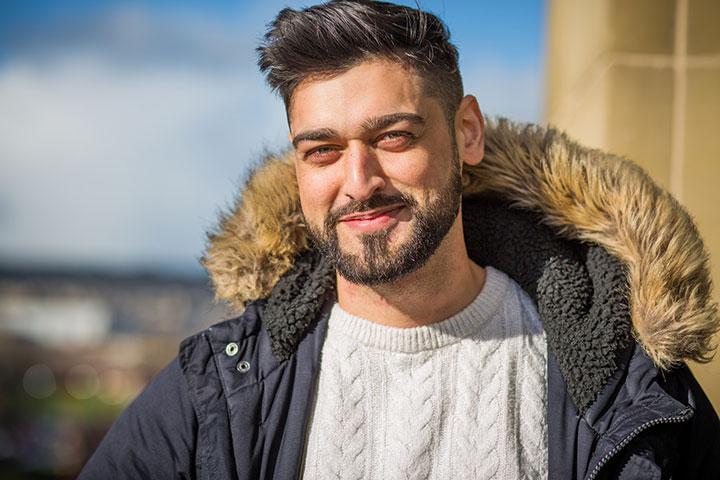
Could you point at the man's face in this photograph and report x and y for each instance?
(377, 169)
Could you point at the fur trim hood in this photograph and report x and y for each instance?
(580, 194)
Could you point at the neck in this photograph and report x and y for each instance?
(446, 284)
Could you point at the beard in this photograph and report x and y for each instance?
(377, 263)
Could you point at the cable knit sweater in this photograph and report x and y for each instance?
(463, 398)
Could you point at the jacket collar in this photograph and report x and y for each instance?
(604, 252)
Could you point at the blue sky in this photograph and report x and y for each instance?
(126, 125)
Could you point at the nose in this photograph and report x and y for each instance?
(363, 173)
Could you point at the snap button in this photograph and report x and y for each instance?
(243, 366)
(231, 349)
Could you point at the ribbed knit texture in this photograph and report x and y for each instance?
(463, 398)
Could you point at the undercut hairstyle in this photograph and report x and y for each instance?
(326, 40)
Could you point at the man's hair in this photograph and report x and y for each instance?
(329, 39)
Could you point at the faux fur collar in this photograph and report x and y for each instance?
(597, 202)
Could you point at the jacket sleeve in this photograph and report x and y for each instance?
(700, 458)
(154, 437)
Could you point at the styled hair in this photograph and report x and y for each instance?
(329, 39)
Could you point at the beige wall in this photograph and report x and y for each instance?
(641, 78)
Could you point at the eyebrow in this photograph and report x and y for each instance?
(314, 135)
(371, 124)
(384, 121)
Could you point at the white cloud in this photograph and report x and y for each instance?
(118, 164)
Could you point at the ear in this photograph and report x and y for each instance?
(470, 131)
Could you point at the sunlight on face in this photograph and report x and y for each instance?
(377, 168)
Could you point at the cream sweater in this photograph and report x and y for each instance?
(463, 398)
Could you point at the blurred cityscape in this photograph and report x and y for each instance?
(75, 349)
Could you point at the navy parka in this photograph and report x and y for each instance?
(208, 416)
(611, 261)
(252, 425)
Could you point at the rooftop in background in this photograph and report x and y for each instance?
(83, 309)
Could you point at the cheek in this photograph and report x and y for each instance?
(419, 170)
(317, 194)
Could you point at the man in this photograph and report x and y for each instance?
(535, 329)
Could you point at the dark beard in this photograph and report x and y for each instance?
(380, 265)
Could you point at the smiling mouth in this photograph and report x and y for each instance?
(372, 221)
(371, 214)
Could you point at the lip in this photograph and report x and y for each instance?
(370, 214)
(373, 220)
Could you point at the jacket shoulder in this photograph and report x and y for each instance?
(154, 437)
(196, 353)
(248, 322)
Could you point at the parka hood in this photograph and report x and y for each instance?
(581, 195)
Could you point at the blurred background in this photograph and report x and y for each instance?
(125, 126)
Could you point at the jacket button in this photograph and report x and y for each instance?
(231, 349)
(243, 366)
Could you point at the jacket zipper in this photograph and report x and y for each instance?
(685, 416)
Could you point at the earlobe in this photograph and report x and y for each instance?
(470, 131)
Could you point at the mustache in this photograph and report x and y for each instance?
(378, 200)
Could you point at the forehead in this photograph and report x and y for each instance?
(369, 89)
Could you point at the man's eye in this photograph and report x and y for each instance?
(322, 154)
(395, 139)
